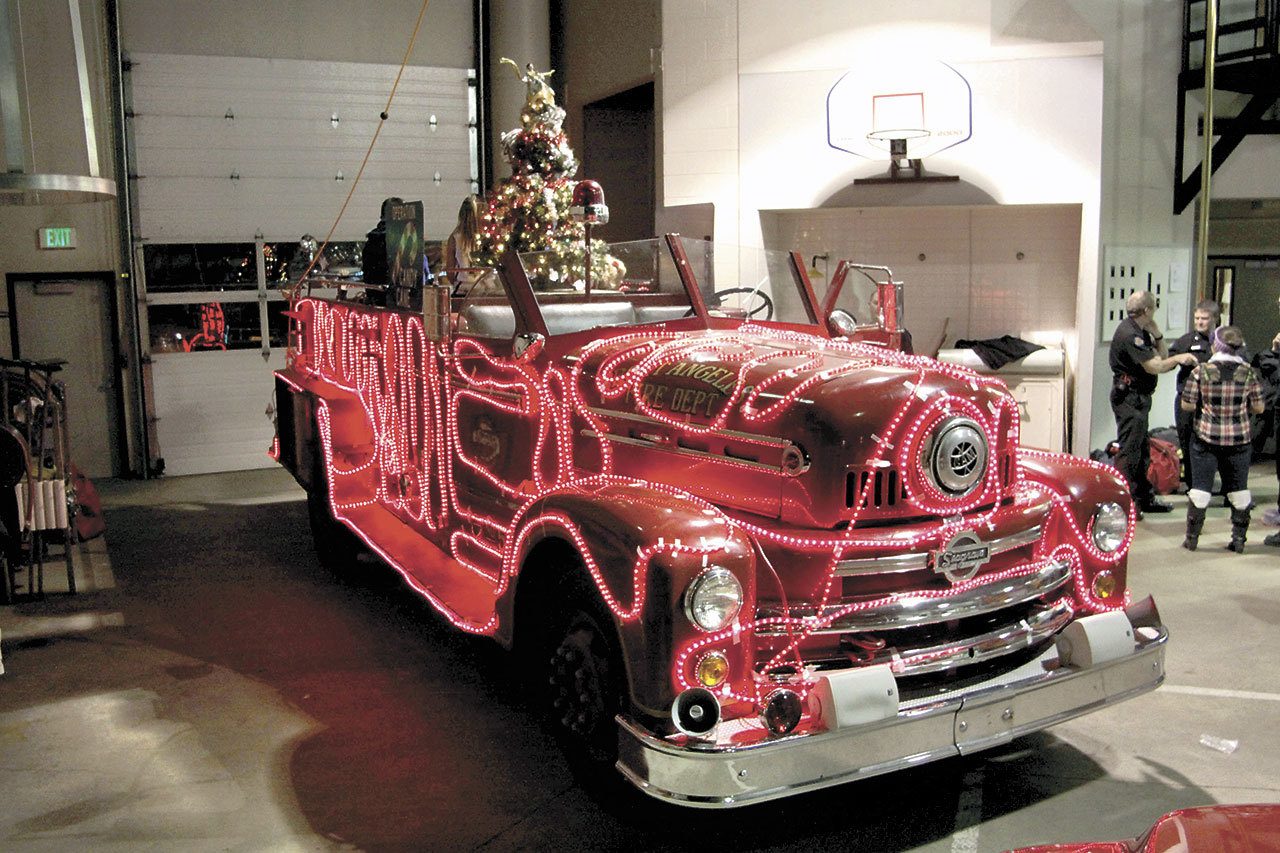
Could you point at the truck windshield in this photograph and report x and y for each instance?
(638, 283)
(744, 282)
(627, 284)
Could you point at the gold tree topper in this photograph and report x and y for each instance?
(538, 92)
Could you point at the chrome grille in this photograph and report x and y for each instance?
(923, 634)
(907, 611)
(888, 486)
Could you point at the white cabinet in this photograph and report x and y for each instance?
(1038, 382)
(1040, 402)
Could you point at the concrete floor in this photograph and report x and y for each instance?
(224, 693)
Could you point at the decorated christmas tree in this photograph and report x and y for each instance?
(530, 209)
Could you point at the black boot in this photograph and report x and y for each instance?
(1195, 523)
(1239, 526)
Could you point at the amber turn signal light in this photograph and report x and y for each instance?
(713, 669)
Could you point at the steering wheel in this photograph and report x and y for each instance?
(761, 304)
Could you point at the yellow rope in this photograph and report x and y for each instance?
(382, 118)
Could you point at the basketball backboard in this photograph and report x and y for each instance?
(926, 103)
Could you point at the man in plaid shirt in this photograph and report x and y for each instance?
(1223, 392)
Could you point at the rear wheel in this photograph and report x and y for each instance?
(337, 548)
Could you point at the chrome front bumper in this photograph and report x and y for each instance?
(1032, 697)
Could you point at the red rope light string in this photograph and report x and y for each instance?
(421, 445)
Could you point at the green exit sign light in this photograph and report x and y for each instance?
(63, 237)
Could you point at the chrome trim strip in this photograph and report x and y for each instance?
(513, 396)
(910, 611)
(1043, 693)
(922, 559)
(882, 565)
(683, 451)
(726, 433)
(769, 395)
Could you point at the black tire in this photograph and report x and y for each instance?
(337, 548)
(583, 681)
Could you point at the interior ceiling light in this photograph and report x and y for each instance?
(44, 160)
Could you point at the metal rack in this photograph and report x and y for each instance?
(37, 506)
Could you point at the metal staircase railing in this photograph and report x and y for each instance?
(1247, 63)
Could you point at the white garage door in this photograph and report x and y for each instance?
(235, 159)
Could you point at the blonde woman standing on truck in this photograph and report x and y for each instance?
(459, 246)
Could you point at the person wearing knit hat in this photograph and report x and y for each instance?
(1223, 392)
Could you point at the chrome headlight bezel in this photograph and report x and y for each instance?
(713, 599)
(1109, 527)
(955, 439)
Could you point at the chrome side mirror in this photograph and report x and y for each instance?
(528, 345)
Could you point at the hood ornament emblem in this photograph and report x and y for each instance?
(960, 559)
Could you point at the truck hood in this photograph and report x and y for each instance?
(838, 401)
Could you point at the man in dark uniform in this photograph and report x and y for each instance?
(1198, 342)
(1267, 363)
(1138, 355)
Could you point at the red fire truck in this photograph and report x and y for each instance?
(745, 545)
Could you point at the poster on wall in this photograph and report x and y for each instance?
(404, 245)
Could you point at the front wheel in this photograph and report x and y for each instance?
(583, 689)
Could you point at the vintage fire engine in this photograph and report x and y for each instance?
(745, 544)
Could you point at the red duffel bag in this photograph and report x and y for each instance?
(1165, 470)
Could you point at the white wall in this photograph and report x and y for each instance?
(979, 272)
(698, 97)
(1074, 102)
(609, 47)
(1252, 170)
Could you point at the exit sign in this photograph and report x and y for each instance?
(63, 237)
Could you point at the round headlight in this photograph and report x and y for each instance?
(1110, 524)
(713, 599)
(958, 458)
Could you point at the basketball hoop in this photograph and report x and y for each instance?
(905, 110)
(899, 116)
